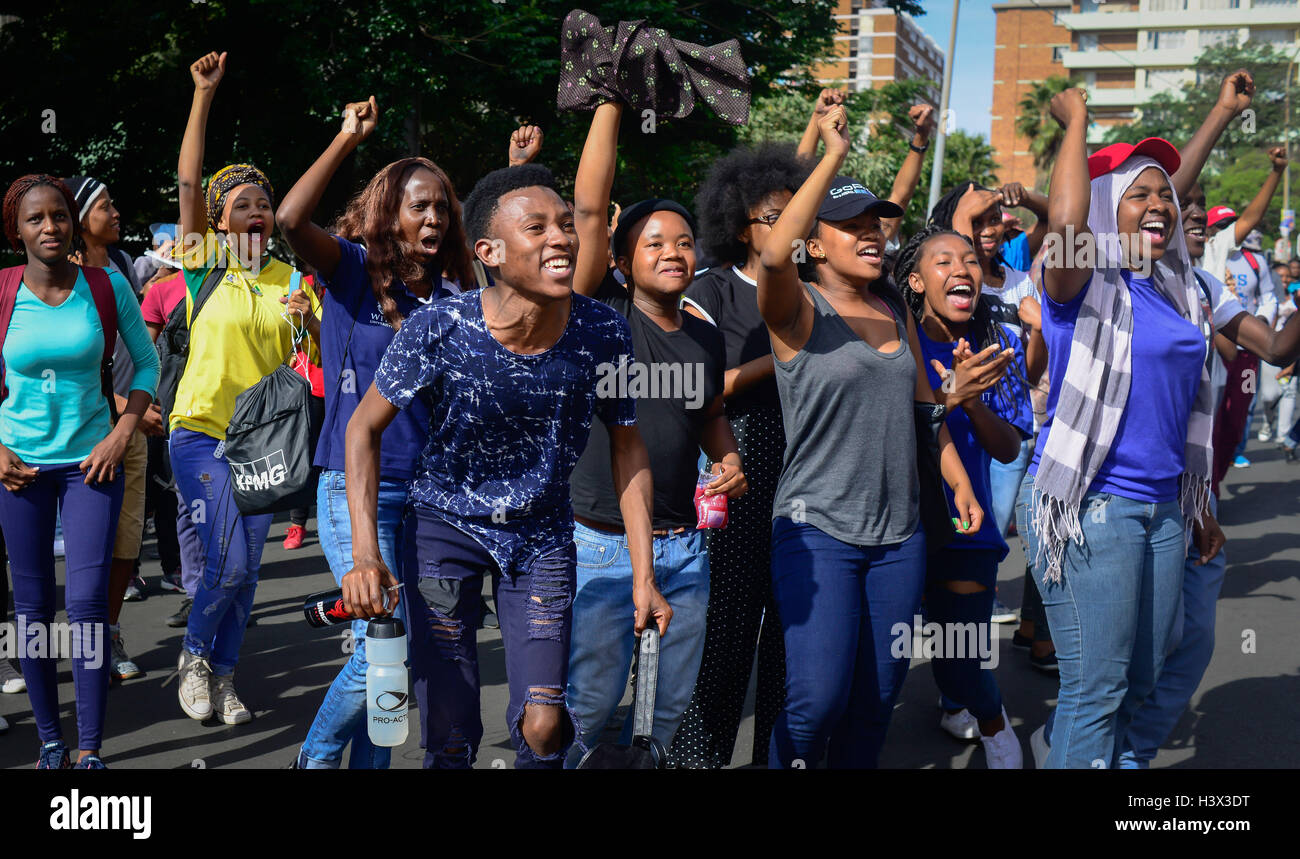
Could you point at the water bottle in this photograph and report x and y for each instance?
(386, 682)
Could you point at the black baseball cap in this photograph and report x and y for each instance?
(849, 198)
(635, 212)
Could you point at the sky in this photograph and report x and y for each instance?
(972, 83)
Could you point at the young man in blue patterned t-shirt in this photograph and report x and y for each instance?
(509, 375)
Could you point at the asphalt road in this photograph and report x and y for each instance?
(1245, 713)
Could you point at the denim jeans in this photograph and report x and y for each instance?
(342, 715)
(839, 604)
(232, 548)
(1113, 617)
(443, 585)
(1004, 482)
(1183, 668)
(603, 641)
(1031, 601)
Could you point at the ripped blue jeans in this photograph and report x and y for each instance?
(232, 548)
(443, 586)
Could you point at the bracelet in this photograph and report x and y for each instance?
(920, 149)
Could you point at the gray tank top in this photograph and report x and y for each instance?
(850, 453)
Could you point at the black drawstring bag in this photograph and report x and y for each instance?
(270, 441)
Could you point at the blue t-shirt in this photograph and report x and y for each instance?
(973, 456)
(350, 310)
(1146, 456)
(1015, 252)
(505, 429)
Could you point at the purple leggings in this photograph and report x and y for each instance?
(90, 524)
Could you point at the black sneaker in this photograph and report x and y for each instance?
(182, 617)
(1045, 663)
(1022, 642)
(1288, 455)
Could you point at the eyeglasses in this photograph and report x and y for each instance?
(770, 220)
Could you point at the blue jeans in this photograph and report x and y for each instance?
(342, 715)
(1185, 667)
(1004, 483)
(839, 604)
(443, 585)
(1113, 617)
(232, 548)
(603, 641)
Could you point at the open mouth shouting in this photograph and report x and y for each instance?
(961, 294)
(1156, 229)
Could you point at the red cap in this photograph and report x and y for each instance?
(1108, 158)
(1220, 214)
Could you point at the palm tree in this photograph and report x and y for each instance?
(1035, 123)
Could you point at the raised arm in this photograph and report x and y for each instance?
(827, 99)
(207, 72)
(1015, 194)
(922, 116)
(591, 190)
(781, 298)
(310, 241)
(525, 143)
(1070, 197)
(1235, 94)
(1254, 213)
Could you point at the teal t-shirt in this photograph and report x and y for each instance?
(56, 411)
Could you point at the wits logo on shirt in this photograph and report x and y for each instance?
(262, 473)
(130, 813)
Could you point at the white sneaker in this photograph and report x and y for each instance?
(961, 725)
(228, 706)
(1265, 434)
(1038, 745)
(1002, 750)
(11, 682)
(195, 690)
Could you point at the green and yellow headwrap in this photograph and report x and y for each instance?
(229, 178)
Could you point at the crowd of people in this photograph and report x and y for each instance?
(882, 411)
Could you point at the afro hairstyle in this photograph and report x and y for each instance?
(737, 183)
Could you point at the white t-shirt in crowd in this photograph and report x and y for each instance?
(1225, 306)
(1225, 259)
(1016, 286)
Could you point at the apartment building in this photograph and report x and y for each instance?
(1123, 51)
(876, 45)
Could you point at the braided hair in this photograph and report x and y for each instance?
(941, 215)
(984, 330)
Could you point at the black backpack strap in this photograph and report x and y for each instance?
(210, 283)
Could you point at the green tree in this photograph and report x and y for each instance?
(881, 145)
(105, 88)
(1035, 123)
(1237, 166)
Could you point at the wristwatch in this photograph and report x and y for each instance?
(922, 149)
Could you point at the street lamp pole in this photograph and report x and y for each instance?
(936, 170)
